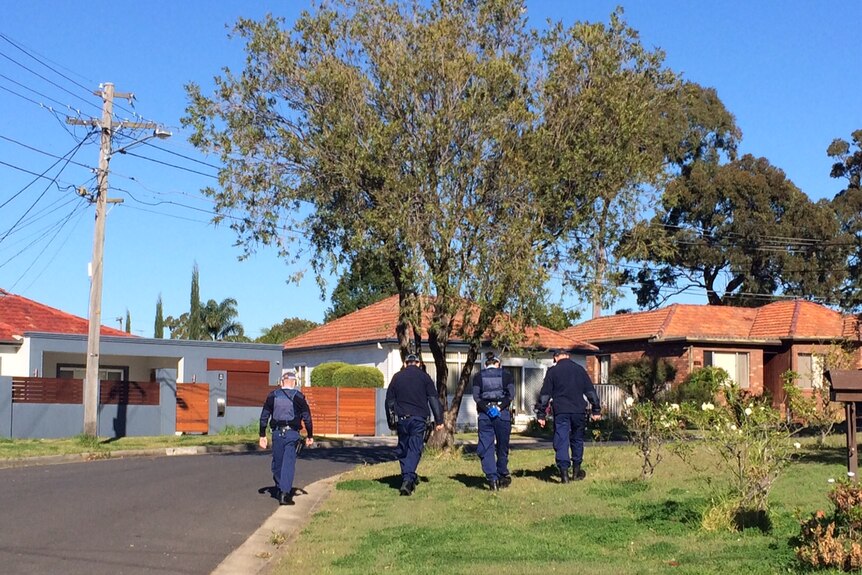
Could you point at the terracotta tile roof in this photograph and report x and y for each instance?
(19, 314)
(785, 319)
(376, 323)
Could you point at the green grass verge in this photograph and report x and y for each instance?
(609, 523)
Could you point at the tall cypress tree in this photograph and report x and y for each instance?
(159, 328)
(128, 321)
(196, 328)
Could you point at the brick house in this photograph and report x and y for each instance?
(754, 345)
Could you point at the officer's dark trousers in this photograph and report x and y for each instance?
(411, 433)
(284, 457)
(493, 447)
(569, 434)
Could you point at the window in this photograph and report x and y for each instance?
(810, 369)
(734, 363)
(301, 374)
(106, 373)
(604, 368)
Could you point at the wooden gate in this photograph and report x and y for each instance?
(193, 407)
(341, 410)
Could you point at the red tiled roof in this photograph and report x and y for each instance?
(785, 319)
(19, 314)
(377, 323)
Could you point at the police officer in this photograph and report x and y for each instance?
(566, 386)
(493, 390)
(410, 393)
(285, 409)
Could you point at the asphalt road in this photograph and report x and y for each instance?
(146, 515)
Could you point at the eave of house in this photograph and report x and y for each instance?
(721, 340)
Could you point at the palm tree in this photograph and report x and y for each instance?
(219, 320)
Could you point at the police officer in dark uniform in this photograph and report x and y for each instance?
(285, 409)
(410, 393)
(493, 390)
(566, 386)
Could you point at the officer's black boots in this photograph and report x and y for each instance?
(407, 487)
(578, 473)
(286, 498)
(564, 475)
(505, 481)
(493, 485)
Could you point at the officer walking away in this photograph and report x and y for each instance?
(493, 390)
(568, 387)
(409, 395)
(285, 409)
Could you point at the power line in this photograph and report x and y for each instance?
(182, 156)
(170, 165)
(30, 54)
(50, 155)
(35, 73)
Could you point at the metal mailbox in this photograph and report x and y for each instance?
(845, 385)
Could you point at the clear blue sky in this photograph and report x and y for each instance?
(787, 70)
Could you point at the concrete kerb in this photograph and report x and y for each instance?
(262, 550)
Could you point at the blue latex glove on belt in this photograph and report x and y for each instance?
(493, 411)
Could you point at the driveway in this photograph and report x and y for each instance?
(146, 515)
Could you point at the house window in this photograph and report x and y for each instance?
(302, 374)
(454, 363)
(604, 368)
(106, 373)
(810, 369)
(734, 363)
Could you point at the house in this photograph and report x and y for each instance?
(367, 337)
(148, 386)
(754, 345)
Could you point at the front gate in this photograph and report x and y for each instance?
(193, 407)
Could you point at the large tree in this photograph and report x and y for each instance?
(220, 320)
(848, 207)
(159, 323)
(428, 134)
(368, 281)
(195, 328)
(742, 232)
(285, 330)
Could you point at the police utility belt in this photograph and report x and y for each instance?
(282, 426)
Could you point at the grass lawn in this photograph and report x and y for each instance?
(610, 523)
(19, 448)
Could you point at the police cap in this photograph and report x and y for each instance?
(411, 358)
(558, 352)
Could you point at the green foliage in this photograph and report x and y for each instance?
(651, 426)
(848, 208)
(159, 325)
(357, 376)
(644, 379)
(834, 541)
(128, 328)
(752, 445)
(289, 328)
(321, 375)
(195, 326)
(368, 281)
(723, 220)
(250, 428)
(699, 387)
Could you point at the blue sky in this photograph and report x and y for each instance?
(787, 70)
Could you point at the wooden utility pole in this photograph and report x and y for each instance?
(106, 125)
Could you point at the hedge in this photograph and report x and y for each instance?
(357, 376)
(321, 376)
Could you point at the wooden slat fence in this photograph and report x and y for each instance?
(342, 410)
(71, 391)
(193, 412)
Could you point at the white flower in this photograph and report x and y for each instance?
(748, 411)
(816, 385)
(674, 406)
(733, 428)
(707, 406)
(797, 445)
(830, 480)
(851, 474)
(630, 401)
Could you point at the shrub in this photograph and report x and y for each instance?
(643, 379)
(357, 376)
(699, 387)
(650, 426)
(835, 541)
(321, 376)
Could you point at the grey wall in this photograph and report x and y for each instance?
(5, 407)
(47, 420)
